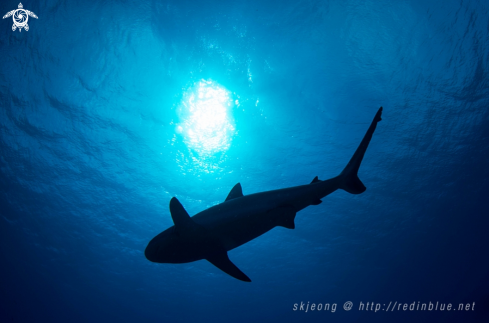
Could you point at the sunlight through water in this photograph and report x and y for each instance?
(206, 120)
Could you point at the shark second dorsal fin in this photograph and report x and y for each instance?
(221, 261)
(316, 179)
(181, 219)
(236, 192)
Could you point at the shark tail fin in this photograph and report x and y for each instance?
(349, 176)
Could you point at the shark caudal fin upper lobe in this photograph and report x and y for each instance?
(349, 176)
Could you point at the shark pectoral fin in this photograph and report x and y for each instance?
(183, 223)
(221, 261)
(236, 192)
(284, 216)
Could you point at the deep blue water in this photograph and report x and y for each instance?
(110, 108)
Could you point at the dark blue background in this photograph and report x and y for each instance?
(90, 155)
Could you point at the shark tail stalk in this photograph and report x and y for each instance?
(349, 180)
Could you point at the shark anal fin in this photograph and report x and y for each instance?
(183, 223)
(221, 261)
(316, 202)
(284, 216)
(236, 192)
(316, 179)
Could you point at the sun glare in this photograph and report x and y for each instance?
(206, 121)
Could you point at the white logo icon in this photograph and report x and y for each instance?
(20, 17)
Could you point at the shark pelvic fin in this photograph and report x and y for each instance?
(284, 216)
(183, 223)
(221, 261)
(236, 192)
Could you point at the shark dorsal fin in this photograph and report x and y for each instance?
(316, 179)
(181, 219)
(236, 192)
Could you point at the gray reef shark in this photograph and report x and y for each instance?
(211, 233)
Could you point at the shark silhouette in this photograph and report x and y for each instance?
(211, 233)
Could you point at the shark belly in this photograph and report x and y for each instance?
(237, 222)
(243, 229)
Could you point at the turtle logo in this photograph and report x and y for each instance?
(20, 17)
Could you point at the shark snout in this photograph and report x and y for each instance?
(151, 251)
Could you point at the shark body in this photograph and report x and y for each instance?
(211, 233)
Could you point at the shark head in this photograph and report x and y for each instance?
(163, 248)
(172, 247)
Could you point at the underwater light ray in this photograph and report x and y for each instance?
(206, 118)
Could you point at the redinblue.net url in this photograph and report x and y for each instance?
(386, 307)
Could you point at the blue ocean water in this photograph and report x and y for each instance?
(110, 108)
